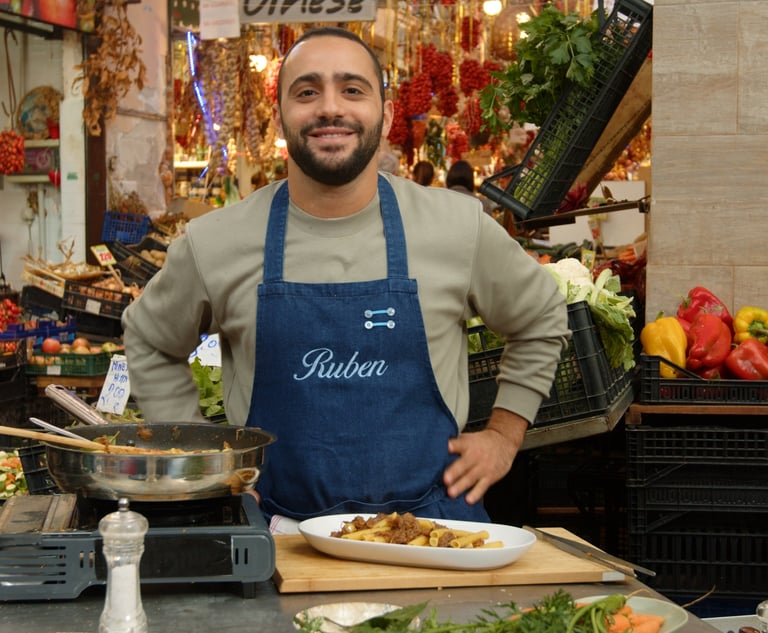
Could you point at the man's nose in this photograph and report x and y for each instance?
(331, 104)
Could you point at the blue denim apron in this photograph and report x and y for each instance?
(343, 379)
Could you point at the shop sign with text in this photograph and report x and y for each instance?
(287, 11)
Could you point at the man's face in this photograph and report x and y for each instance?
(331, 113)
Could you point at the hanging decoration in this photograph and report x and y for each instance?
(109, 73)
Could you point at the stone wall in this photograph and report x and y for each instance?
(709, 214)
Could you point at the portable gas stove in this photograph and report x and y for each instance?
(50, 546)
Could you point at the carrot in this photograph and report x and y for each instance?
(641, 618)
(649, 626)
(617, 623)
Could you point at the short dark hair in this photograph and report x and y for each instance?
(461, 174)
(332, 31)
(423, 172)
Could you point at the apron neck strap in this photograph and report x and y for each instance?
(394, 234)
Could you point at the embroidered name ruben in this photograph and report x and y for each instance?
(320, 363)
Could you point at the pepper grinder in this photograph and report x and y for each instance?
(122, 535)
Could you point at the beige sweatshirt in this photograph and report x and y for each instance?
(465, 264)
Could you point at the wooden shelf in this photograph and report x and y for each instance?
(636, 411)
(191, 164)
(27, 179)
(45, 142)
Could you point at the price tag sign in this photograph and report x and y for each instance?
(209, 351)
(103, 255)
(117, 387)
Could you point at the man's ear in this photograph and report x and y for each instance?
(389, 116)
(277, 121)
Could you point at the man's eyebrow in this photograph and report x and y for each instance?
(339, 77)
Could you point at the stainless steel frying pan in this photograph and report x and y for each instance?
(229, 463)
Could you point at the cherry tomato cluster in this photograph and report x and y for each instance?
(458, 141)
(11, 152)
(470, 33)
(471, 117)
(10, 313)
(398, 133)
(438, 65)
(448, 101)
(472, 76)
(419, 100)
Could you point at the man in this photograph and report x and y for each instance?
(341, 298)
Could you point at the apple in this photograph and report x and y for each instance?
(66, 348)
(51, 346)
(81, 341)
(81, 350)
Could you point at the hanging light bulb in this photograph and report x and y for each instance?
(257, 62)
(492, 7)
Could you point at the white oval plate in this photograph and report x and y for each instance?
(346, 614)
(516, 541)
(674, 615)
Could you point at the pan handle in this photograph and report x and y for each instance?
(74, 405)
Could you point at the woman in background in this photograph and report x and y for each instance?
(424, 173)
(461, 177)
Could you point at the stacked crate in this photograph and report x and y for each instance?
(698, 505)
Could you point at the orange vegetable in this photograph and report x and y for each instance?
(625, 620)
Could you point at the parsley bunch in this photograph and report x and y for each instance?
(556, 613)
(554, 49)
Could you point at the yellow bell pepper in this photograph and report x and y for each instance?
(750, 322)
(665, 337)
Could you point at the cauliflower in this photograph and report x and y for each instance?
(574, 279)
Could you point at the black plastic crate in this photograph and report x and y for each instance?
(724, 551)
(38, 301)
(693, 492)
(133, 267)
(86, 298)
(13, 383)
(33, 463)
(655, 453)
(585, 384)
(129, 228)
(571, 131)
(691, 389)
(13, 353)
(97, 326)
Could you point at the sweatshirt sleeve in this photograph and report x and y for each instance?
(518, 298)
(158, 345)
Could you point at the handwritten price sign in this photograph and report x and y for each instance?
(103, 255)
(117, 387)
(209, 351)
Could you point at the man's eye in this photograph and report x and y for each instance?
(305, 92)
(354, 90)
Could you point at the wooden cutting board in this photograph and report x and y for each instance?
(301, 568)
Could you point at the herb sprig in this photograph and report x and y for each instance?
(556, 48)
(556, 613)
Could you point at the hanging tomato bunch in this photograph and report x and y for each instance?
(11, 152)
(470, 33)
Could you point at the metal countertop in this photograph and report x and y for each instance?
(219, 608)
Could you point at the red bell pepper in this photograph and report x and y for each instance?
(749, 361)
(711, 342)
(700, 299)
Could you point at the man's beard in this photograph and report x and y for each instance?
(332, 171)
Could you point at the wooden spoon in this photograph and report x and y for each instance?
(89, 445)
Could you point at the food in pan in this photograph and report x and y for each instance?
(406, 529)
